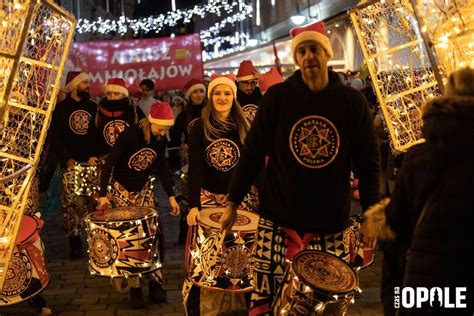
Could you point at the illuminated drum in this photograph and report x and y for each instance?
(123, 241)
(86, 179)
(223, 266)
(314, 279)
(361, 255)
(27, 273)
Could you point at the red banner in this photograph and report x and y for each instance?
(169, 62)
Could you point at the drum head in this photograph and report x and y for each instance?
(324, 272)
(28, 228)
(121, 214)
(246, 221)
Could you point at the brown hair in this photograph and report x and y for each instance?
(236, 120)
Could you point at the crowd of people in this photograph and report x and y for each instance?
(282, 149)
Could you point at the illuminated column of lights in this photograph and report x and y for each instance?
(36, 36)
(401, 72)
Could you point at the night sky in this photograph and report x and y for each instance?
(153, 7)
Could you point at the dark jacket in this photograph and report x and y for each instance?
(311, 139)
(113, 118)
(211, 163)
(184, 123)
(443, 168)
(133, 161)
(73, 133)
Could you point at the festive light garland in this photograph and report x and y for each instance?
(171, 18)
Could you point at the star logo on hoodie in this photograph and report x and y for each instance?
(314, 141)
(222, 154)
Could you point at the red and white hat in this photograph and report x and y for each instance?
(216, 80)
(315, 32)
(268, 79)
(117, 85)
(73, 79)
(192, 85)
(246, 71)
(161, 113)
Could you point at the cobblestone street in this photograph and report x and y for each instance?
(72, 291)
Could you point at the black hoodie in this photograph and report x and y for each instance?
(113, 118)
(184, 122)
(249, 102)
(311, 140)
(73, 132)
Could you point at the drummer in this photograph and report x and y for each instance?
(195, 93)
(312, 128)
(137, 151)
(214, 150)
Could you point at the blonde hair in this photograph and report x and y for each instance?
(213, 126)
(145, 125)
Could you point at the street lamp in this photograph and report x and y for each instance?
(298, 18)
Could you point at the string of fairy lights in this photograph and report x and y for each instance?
(236, 11)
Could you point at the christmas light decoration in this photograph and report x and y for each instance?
(449, 25)
(156, 23)
(36, 36)
(402, 75)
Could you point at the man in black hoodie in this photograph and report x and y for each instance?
(74, 139)
(248, 94)
(313, 129)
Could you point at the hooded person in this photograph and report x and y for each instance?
(73, 137)
(138, 153)
(313, 130)
(115, 113)
(248, 93)
(195, 94)
(427, 221)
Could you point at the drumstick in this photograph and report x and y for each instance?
(173, 148)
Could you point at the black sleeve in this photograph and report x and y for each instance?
(58, 130)
(163, 169)
(255, 149)
(176, 132)
(196, 165)
(366, 156)
(112, 158)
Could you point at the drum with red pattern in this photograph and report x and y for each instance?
(223, 266)
(27, 274)
(123, 241)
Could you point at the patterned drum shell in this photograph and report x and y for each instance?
(221, 266)
(312, 280)
(361, 255)
(123, 241)
(27, 274)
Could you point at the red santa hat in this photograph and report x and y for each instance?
(246, 71)
(192, 85)
(117, 85)
(73, 79)
(161, 113)
(315, 32)
(269, 79)
(216, 80)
